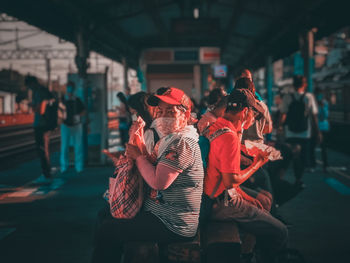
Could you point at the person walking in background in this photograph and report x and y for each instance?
(323, 125)
(299, 115)
(72, 128)
(40, 95)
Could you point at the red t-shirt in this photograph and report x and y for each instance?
(224, 156)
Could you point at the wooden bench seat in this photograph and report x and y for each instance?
(216, 242)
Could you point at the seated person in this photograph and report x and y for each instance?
(171, 216)
(217, 105)
(224, 173)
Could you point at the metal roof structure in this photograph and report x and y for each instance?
(245, 30)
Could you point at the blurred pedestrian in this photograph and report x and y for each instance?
(323, 124)
(299, 115)
(40, 96)
(72, 129)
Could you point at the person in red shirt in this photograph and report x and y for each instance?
(224, 177)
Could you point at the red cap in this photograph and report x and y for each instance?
(172, 96)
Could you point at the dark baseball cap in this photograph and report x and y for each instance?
(240, 98)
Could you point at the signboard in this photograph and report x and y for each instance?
(186, 55)
(208, 55)
(220, 71)
(158, 56)
(204, 55)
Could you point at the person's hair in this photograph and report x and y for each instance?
(71, 84)
(222, 102)
(241, 72)
(28, 80)
(299, 81)
(137, 102)
(123, 99)
(215, 96)
(245, 83)
(162, 90)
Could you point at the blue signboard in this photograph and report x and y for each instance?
(220, 71)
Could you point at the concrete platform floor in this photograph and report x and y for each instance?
(54, 223)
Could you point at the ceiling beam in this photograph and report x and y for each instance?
(120, 14)
(273, 34)
(263, 14)
(122, 42)
(153, 11)
(226, 34)
(10, 54)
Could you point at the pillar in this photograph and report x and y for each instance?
(269, 81)
(307, 46)
(125, 67)
(81, 61)
(204, 78)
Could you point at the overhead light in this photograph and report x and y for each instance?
(196, 13)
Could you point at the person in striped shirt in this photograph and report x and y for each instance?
(173, 214)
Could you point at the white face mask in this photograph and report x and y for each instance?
(166, 125)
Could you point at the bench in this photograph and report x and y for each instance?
(217, 242)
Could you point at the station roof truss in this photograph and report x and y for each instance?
(246, 31)
(6, 54)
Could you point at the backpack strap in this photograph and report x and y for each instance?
(301, 97)
(217, 133)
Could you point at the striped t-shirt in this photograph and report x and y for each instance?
(178, 206)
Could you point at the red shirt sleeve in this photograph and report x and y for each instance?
(229, 153)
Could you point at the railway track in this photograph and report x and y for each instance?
(17, 144)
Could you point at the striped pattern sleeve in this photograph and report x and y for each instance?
(179, 155)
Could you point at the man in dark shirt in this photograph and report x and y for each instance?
(42, 136)
(72, 128)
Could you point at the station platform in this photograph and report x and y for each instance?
(55, 222)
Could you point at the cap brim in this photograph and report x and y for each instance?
(154, 100)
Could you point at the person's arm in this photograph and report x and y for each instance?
(231, 180)
(249, 198)
(282, 119)
(228, 149)
(36, 103)
(314, 120)
(158, 177)
(284, 109)
(268, 122)
(314, 117)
